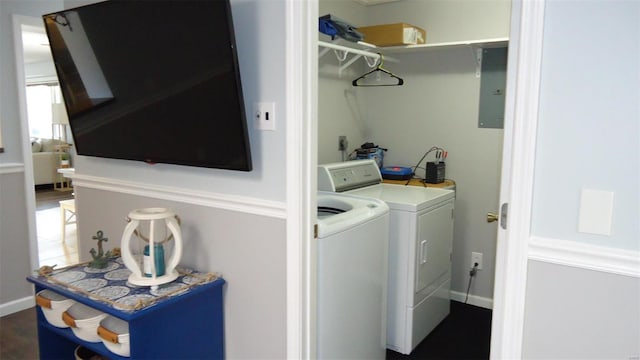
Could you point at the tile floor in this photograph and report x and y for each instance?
(51, 249)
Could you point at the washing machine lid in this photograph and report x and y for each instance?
(340, 212)
(405, 198)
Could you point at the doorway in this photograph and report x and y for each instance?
(516, 175)
(54, 228)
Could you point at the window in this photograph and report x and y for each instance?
(39, 104)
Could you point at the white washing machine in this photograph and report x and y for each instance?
(352, 277)
(420, 246)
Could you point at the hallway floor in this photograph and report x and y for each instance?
(464, 334)
(51, 249)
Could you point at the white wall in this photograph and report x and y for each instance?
(583, 292)
(40, 72)
(259, 27)
(598, 97)
(437, 106)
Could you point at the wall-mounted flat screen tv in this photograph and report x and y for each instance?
(155, 81)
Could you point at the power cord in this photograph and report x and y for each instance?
(472, 273)
(434, 148)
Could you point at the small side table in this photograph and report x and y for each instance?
(67, 215)
(61, 182)
(183, 319)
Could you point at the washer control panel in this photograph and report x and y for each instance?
(349, 175)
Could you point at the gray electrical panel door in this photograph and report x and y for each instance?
(492, 88)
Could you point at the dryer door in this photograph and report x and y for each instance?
(433, 249)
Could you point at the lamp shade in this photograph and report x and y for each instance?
(59, 114)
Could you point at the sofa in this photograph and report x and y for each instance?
(46, 160)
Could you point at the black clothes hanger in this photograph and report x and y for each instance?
(378, 70)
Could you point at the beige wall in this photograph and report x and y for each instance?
(437, 106)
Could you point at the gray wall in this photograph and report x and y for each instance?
(589, 120)
(14, 228)
(14, 244)
(248, 250)
(437, 106)
(575, 313)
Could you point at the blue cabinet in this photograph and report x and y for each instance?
(186, 325)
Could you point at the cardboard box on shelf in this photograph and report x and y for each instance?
(393, 34)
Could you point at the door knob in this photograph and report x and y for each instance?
(491, 217)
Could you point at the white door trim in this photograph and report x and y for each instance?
(521, 117)
(301, 126)
(21, 83)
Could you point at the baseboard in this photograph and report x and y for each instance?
(475, 300)
(17, 305)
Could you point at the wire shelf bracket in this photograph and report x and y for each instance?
(343, 51)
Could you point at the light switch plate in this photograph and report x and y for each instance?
(265, 116)
(596, 212)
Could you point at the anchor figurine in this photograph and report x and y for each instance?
(101, 259)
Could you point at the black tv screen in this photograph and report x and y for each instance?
(156, 81)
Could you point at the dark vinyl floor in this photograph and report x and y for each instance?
(464, 334)
(19, 336)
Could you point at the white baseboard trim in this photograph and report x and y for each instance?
(17, 305)
(475, 300)
(585, 256)
(11, 168)
(238, 203)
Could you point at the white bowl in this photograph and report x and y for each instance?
(84, 321)
(53, 305)
(115, 335)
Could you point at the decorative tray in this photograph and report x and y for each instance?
(110, 286)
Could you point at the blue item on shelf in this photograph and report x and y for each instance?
(371, 151)
(327, 28)
(396, 173)
(333, 26)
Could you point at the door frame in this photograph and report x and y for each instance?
(301, 158)
(516, 188)
(521, 112)
(21, 82)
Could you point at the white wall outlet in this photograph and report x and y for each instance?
(476, 258)
(264, 114)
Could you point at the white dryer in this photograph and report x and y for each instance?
(352, 277)
(420, 245)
